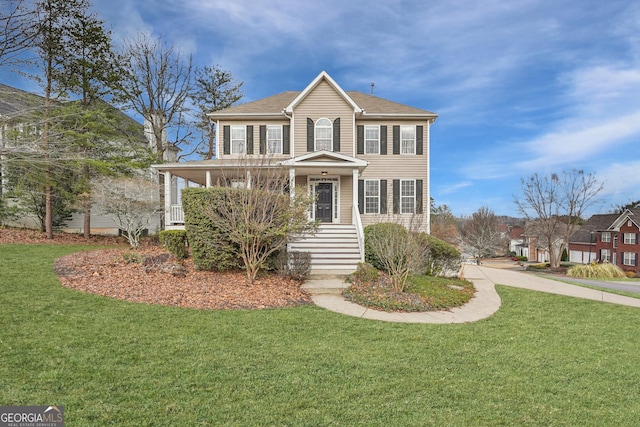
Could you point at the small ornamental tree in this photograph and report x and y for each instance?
(131, 203)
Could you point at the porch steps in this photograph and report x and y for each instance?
(333, 248)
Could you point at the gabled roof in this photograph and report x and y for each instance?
(325, 158)
(603, 222)
(628, 214)
(323, 76)
(281, 104)
(13, 101)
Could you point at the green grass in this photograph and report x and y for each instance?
(540, 360)
(442, 292)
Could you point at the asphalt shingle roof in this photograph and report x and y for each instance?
(275, 104)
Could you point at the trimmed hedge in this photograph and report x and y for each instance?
(175, 241)
(210, 248)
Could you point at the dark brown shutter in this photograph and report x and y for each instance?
(418, 196)
(250, 139)
(263, 139)
(336, 135)
(286, 139)
(383, 140)
(383, 196)
(226, 138)
(396, 196)
(361, 196)
(360, 143)
(310, 128)
(396, 140)
(419, 140)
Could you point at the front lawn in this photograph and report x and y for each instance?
(542, 359)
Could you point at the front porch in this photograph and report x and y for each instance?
(330, 178)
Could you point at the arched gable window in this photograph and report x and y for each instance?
(324, 134)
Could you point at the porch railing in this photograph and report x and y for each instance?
(176, 214)
(359, 230)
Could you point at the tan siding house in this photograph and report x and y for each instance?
(364, 159)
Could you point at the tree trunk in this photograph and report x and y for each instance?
(87, 219)
(48, 217)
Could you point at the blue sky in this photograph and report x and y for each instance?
(520, 86)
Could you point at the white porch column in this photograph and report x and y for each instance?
(208, 179)
(167, 198)
(356, 176)
(292, 183)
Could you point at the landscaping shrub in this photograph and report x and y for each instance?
(382, 231)
(631, 274)
(365, 273)
(442, 257)
(293, 264)
(175, 241)
(598, 271)
(210, 248)
(521, 258)
(393, 249)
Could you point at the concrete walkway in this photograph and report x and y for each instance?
(326, 292)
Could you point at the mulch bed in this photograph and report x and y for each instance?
(149, 275)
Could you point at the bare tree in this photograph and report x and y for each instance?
(155, 83)
(17, 32)
(131, 203)
(481, 233)
(262, 218)
(557, 203)
(398, 249)
(214, 89)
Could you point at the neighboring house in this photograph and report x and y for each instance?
(537, 245)
(14, 104)
(518, 242)
(608, 238)
(364, 159)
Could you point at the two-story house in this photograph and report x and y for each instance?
(364, 159)
(608, 238)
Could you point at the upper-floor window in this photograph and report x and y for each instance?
(371, 196)
(605, 237)
(324, 135)
(407, 140)
(630, 238)
(274, 139)
(238, 140)
(407, 196)
(372, 139)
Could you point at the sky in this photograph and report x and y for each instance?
(520, 87)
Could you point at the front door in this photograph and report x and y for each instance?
(324, 205)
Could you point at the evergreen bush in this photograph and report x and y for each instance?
(210, 248)
(175, 241)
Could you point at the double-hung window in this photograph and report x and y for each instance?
(324, 135)
(629, 258)
(407, 140)
(630, 238)
(371, 196)
(407, 196)
(605, 237)
(372, 139)
(605, 255)
(274, 139)
(238, 140)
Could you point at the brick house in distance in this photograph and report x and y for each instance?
(608, 238)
